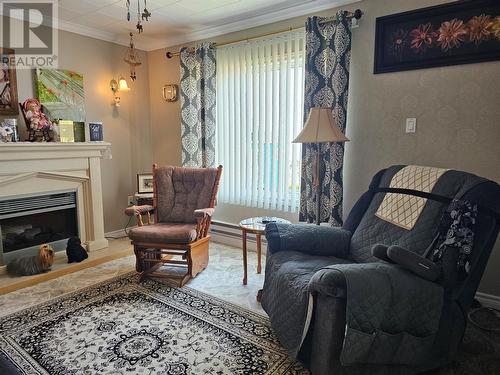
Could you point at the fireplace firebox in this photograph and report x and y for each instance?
(28, 221)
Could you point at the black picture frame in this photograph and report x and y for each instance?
(145, 183)
(397, 47)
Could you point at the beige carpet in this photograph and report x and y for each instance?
(223, 278)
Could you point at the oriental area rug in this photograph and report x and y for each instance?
(122, 326)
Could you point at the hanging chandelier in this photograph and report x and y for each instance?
(132, 58)
(141, 16)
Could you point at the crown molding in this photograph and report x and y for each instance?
(90, 32)
(150, 44)
(260, 20)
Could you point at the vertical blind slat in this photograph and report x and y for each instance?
(226, 128)
(288, 120)
(281, 165)
(261, 140)
(237, 127)
(256, 119)
(243, 135)
(232, 185)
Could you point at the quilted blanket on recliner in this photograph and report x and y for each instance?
(392, 316)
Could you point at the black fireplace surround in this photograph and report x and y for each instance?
(26, 222)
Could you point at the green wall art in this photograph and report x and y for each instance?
(61, 93)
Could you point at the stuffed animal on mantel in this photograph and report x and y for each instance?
(75, 251)
(32, 265)
(34, 114)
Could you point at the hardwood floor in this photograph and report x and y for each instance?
(117, 249)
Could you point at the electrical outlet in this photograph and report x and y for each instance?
(130, 200)
(411, 125)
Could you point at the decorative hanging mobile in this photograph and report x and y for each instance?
(145, 13)
(144, 16)
(132, 58)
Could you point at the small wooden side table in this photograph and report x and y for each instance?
(257, 226)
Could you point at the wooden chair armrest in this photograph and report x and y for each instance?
(203, 212)
(203, 218)
(138, 211)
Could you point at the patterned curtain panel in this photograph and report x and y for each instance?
(328, 54)
(198, 106)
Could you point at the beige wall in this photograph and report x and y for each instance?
(457, 110)
(127, 127)
(165, 116)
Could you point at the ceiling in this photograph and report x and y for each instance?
(175, 22)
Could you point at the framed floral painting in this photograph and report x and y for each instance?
(61, 93)
(8, 85)
(461, 32)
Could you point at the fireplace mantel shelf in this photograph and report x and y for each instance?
(50, 150)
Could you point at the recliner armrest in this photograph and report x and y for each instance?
(308, 238)
(329, 282)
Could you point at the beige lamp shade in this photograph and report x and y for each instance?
(320, 128)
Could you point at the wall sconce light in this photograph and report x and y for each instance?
(120, 86)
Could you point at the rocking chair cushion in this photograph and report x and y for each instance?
(164, 233)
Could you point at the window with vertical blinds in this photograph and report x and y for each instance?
(260, 92)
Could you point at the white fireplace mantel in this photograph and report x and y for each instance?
(36, 168)
(52, 150)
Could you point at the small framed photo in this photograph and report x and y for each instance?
(96, 132)
(144, 183)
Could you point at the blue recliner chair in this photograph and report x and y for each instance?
(388, 292)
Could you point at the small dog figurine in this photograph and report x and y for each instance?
(34, 264)
(75, 250)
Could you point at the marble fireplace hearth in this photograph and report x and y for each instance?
(31, 170)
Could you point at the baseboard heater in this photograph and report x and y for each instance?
(231, 231)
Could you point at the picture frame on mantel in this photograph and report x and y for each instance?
(8, 83)
(461, 32)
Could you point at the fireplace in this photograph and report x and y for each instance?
(48, 192)
(28, 221)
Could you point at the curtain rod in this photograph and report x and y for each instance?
(357, 14)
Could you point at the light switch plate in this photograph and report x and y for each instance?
(411, 125)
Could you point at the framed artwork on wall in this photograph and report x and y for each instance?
(61, 93)
(8, 83)
(461, 32)
(144, 183)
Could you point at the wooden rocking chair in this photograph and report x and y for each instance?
(183, 204)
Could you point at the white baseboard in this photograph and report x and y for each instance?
(488, 300)
(119, 233)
